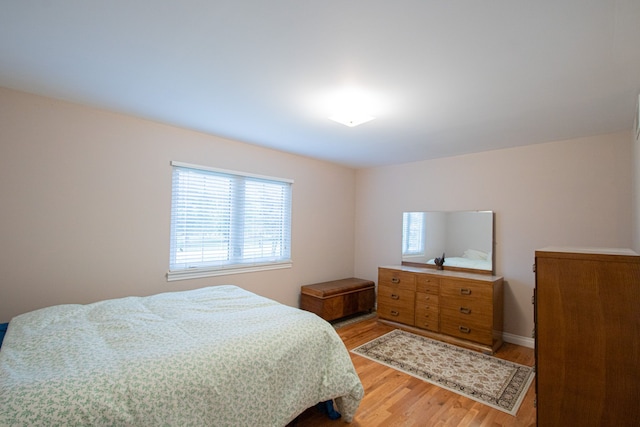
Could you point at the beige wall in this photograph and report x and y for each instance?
(575, 192)
(85, 198)
(85, 206)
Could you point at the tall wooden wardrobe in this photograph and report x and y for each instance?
(587, 316)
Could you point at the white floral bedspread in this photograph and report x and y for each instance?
(217, 356)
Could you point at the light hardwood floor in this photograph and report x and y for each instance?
(393, 398)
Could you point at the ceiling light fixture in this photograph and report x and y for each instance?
(350, 106)
(352, 120)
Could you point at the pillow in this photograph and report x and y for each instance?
(474, 254)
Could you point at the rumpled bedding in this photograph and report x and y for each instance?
(216, 356)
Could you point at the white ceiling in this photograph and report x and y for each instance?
(446, 77)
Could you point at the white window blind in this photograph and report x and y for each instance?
(413, 233)
(225, 221)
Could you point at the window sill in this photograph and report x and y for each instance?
(199, 273)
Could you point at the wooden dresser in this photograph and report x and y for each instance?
(587, 337)
(462, 308)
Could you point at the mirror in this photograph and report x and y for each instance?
(465, 237)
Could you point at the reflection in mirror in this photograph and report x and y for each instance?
(465, 237)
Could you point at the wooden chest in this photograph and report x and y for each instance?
(338, 298)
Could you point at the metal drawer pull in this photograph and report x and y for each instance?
(394, 313)
(395, 280)
(465, 310)
(464, 329)
(394, 296)
(465, 291)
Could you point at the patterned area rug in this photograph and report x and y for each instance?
(494, 382)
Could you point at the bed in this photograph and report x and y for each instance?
(219, 356)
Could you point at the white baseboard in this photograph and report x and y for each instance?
(519, 340)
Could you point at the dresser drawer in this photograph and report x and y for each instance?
(426, 300)
(478, 315)
(397, 279)
(396, 304)
(465, 328)
(427, 284)
(396, 297)
(470, 291)
(427, 312)
(399, 314)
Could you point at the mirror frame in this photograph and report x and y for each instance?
(454, 268)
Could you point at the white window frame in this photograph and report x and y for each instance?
(181, 269)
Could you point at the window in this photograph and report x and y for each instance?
(226, 222)
(413, 224)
